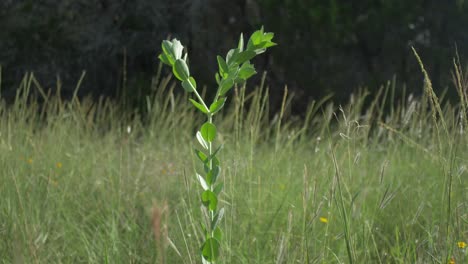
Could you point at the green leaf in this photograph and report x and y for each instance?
(216, 152)
(201, 140)
(208, 131)
(203, 227)
(231, 56)
(189, 84)
(255, 39)
(260, 40)
(218, 235)
(225, 86)
(216, 106)
(164, 58)
(214, 162)
(202, 182)
(210, 249)
(245, 56)
(209, 200)
(199, 106)
(202, 156)
(267, 44)
(167, 50)
(180, 70)
(262, 47)
(192, 82)
(218, 78)
(217, 218)
(204, 261)
(233, 69)
(177, 49)
(213, 174)
(218, 188)
(240, 46)
(246, 71)
(223, 67)
(167, 47)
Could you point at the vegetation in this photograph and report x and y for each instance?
(84, 181)
(339, 45)
(233, 70)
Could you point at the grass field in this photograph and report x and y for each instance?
(87, 182)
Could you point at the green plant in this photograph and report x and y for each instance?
(93, 208)
(234, 69)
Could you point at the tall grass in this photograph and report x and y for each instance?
(84, 181)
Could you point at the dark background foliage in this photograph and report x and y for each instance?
(325, 46)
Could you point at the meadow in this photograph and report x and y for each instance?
(378, 180)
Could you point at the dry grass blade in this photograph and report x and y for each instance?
(159, 221)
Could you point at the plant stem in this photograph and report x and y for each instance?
(210, 166)
(203, 103)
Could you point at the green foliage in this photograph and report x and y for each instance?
(235, 69)
(199, 106)
(59, 39)
(218, 105)
(260, 41)
(181, 71)
(172, 51)
(208, 131)
(211, 249)
(189, 84)
(338, 45)
(402, 175)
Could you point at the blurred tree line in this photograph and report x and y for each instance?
(325, 46)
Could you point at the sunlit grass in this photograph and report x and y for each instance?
(82, 181)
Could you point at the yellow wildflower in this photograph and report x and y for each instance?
(451, 261)
(323, 220)
(461, 244)
(30, 160)
(58, 165)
